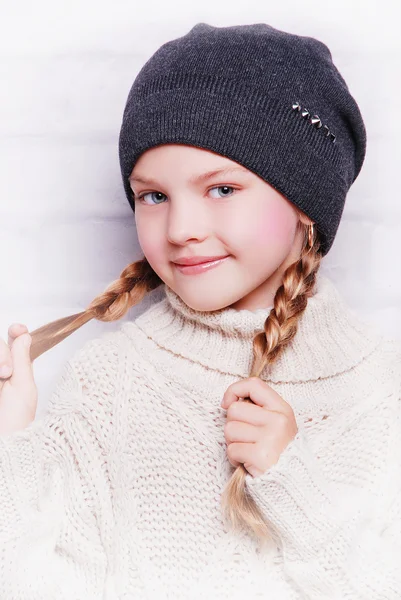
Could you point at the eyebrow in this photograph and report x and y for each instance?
(195, 179)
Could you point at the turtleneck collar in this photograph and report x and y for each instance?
(330, 338)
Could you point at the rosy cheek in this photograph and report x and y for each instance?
(149, 242)
(274, 225)
(152, 251)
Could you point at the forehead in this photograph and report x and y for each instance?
(189, 161)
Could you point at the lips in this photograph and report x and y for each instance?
(197, 260)
(202, 267)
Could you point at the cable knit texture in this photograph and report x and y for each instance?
(115, 493)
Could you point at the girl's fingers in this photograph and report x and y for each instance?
(14, 331)
(22, 364)
(236, 431)
(5, 361)
(259, 392)
(244, 453)
(246, 412)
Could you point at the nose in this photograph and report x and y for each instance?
(187, 220)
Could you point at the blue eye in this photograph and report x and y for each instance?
(147, 194)
(223, 187)
(220, 187)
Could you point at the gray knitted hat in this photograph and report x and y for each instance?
(270, 100)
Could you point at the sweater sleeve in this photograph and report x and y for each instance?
(53, 493)
(338, 543)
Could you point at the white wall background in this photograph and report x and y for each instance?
(66, 229)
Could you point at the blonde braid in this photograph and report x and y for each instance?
(279, 328)
(135, 281)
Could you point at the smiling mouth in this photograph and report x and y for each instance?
(197, 260)
(200, 267)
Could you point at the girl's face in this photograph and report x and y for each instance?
(182, 211)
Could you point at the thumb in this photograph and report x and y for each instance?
(21, 358)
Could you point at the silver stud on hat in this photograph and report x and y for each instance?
(315, 120)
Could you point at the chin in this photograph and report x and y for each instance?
(207, 307)
(207, 304)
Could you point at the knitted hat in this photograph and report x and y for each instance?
(272, 101)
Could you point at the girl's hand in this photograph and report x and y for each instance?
(18, 391)
(256, 434)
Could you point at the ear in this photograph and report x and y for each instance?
(305, 219)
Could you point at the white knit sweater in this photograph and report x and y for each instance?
(115, 493)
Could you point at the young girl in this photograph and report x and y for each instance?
(241, 437)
